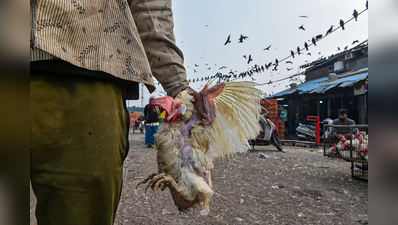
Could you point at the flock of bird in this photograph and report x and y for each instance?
(258, 69)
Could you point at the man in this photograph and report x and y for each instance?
(152, 123)
(343, 120)
(140, 125)
(87, 59)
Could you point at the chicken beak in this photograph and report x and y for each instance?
(165, 103)
(172, 117)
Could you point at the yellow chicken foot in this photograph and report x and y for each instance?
(164, 179)
(150, 177)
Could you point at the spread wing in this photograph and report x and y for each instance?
(233, 109)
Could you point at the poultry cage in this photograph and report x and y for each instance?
(348, 142)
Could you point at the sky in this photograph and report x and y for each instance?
(264, 22)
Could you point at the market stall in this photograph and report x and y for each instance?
(349, 143)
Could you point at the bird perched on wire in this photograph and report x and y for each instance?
(306, 46)
(228, 40)
(356, 41)
(301, 27)
(242, 38)
(276, 62)
(313, 41)
(345, 48)
(292, 53)
(187, 144)
(298, 50)
(330, 30)
(338, 48)
(319, 36)
(342, 24)
(355, 14)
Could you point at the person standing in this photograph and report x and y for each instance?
(86, 59)
(152, 123)
(140, 124)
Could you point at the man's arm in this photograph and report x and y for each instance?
(154, 21)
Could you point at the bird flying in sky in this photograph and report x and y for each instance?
(289, 62)
(250, 59)
(267, 48)
(228, 40)
(302, 27)
(309, 53)
(304, 16)
(242, 38)
(356, 41)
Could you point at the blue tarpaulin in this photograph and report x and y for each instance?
(321, 85)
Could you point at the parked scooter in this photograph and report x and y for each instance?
(268, 134)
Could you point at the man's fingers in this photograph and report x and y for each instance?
(199, 103)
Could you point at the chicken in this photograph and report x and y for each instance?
(187, 144)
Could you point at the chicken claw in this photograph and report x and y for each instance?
(146, 179)
(157, 180)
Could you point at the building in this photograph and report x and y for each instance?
(332, 83)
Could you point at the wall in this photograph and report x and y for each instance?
(318, 73)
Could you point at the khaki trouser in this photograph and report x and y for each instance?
(79, 127)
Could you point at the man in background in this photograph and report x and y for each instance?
(343, 120)
(152, 123)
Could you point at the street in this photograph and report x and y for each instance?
(299, 187)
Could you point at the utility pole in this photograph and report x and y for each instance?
(142, 95)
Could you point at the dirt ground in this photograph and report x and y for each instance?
(299, 187)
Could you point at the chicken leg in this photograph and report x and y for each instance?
(155, 180)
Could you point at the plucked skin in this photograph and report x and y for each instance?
(187, 144)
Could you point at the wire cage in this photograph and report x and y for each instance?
(349, 142)
(359, 171)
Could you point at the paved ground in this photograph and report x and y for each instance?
(299, 187)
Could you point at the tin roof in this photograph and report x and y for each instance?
(321, 85)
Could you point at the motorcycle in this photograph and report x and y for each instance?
(268, 134)
(306, 132)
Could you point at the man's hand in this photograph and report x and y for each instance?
(198, 103)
